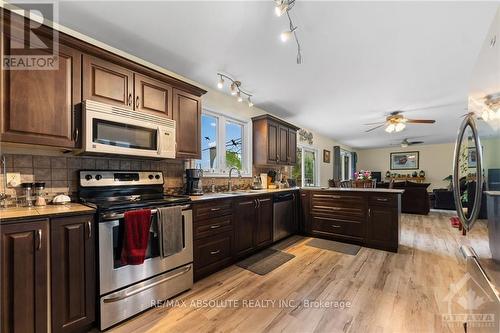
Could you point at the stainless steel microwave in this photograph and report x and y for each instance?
(109, 129)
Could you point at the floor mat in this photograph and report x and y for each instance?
(265, 261)
(334, 246)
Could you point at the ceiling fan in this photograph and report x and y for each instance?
(396, 122)
(406, 143)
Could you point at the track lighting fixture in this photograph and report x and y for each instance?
(234, 88)
(282, 7)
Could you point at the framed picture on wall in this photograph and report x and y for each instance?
(472, 157)
(326, 156)
(407, 160)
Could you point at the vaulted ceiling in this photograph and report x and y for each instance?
(361, 59)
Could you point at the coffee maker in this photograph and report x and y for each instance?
(193, 182)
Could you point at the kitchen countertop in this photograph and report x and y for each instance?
(493, 193)
(225, 195)
(233, 194)
(14, 213)
(355, 189)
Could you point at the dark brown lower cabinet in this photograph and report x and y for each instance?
(264, 222)
(245, 218)
(212, 254)
(361, 217)
(72, 273)
(24, 276)
(383, 227)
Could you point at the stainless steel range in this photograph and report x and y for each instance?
(125, 290)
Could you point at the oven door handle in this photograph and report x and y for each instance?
(124, 294)
(114, 216)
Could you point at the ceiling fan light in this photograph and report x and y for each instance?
(390, 128)
(399, 127)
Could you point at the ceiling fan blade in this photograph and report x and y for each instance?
(420, 121)
(377, 123)
(435, 106)
(374, 128)
(415, 142)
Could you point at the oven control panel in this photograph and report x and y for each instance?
(92, 178)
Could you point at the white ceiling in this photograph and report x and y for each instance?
(361, 59)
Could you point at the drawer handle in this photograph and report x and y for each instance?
(327, 196)
(39, 247)
(214, 209)
(215, 252)
(215, 226)
(335, 226)
(382, 199)
(330, 208)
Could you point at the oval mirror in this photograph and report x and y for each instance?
(467, 172)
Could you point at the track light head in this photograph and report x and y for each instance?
(220, 84)
(238, 95)
(234, 89)
(250, 103)
(280, 9)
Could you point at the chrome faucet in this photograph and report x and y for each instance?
(229, 183)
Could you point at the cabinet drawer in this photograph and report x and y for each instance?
(213, 226)
(352, 198)
(211, 250)
(339, 211)
(337, 226)
(210, 209)
(383, 200)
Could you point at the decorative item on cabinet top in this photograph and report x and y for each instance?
(306, 136)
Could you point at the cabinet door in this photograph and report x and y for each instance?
(305, 212)
(292, 147)
(244, 226)
(24, 277)
(272, 142)
(283, 145)
(382, 229)
(73, 273)
(264, 223)
(152, 96)
(187, 114)
(38, 105)
(106, 82)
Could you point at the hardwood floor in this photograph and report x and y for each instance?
(388, 292)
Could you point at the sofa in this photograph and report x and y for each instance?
(415, 198)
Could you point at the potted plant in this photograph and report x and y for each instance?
(361, 177)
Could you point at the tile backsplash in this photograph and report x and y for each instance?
(60, 173)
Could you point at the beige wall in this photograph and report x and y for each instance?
(436, 160)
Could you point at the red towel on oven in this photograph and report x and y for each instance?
(135, 236)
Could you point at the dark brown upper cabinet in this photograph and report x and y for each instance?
(152, 96)
(107, 82)
(274, 141)
(73, 277)
(187, 115)
(24, 276)
(38, 105)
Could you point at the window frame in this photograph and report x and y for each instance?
(349, 174)
(317, 177)
(246, 148)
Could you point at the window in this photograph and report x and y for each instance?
(225, 144)
(306, 170)
(346, 164)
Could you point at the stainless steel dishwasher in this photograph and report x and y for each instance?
(284, 216)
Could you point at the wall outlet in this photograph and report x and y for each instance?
(13, 179)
